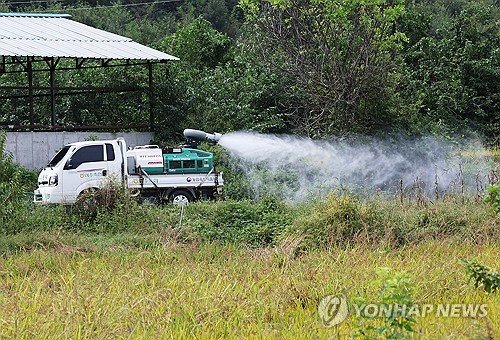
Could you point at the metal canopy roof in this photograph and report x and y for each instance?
(54, 35)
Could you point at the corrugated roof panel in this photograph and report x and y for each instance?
(88, 31)
(61, 31)
(131, 47)
(10, 48)
(24, 34)
(78, 49)
(102, 49)
(12, 28)
(72, 49)
(29, 28)
(145, 49)
(55, 29)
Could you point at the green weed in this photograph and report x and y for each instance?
(345, 220)
(493, 197)
(394, 289)
(482, 276)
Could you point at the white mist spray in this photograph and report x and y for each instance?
(296, 168)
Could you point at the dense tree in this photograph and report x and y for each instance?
(452, 67)
(337, 57)
(218, 86)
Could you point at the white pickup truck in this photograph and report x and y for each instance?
(178, 175)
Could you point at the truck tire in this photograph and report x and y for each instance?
(86, 198)
(181, 197)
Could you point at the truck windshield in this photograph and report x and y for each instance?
(60, 155)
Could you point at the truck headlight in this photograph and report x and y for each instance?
(53, 180)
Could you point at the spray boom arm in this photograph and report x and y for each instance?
(198, 135)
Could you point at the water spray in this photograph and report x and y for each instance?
(296, 168)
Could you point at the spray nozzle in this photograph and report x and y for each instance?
(197, 135)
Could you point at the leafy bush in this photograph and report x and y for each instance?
(337, 220)
(16, 184)
(244, 222)
(106, 199)
(482, 276)
(329, 90)
(493, 197)
(199, 44)
(395, 289)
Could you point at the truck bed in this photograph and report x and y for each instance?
(173, 181)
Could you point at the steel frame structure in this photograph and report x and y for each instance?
(49, 64)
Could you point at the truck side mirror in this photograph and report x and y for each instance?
(68, 165)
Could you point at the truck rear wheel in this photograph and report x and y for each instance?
(181, 197)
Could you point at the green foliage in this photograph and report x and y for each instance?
(215, 87)
(450, 67)
(92, 203)
(340, 219)
(310, 67)
(337, 220)
(242, 222)
(335, 57)
(441, 77)
(16, 184)
(493, 197)
(395, 289)
(345, 220)
(236, 96)
(482, 276)
(199, 44)
(224, 15)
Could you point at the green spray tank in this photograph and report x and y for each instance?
(189, 159)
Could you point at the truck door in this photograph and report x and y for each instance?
(86, 168)
(113, 160)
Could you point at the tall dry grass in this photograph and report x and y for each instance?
(212, 291)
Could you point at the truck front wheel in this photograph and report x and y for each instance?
(86, 205)
(181, 197)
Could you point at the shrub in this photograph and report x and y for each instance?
(395, 290)
(94, 201)
(16, 184)
(245, 222)
(493, 197)
(482, 276)
(340, 220)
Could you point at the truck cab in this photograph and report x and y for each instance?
(78, 167)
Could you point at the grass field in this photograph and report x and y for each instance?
(209, 290)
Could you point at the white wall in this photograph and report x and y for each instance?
(34, 149)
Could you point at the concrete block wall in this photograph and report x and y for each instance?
(33, 150)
